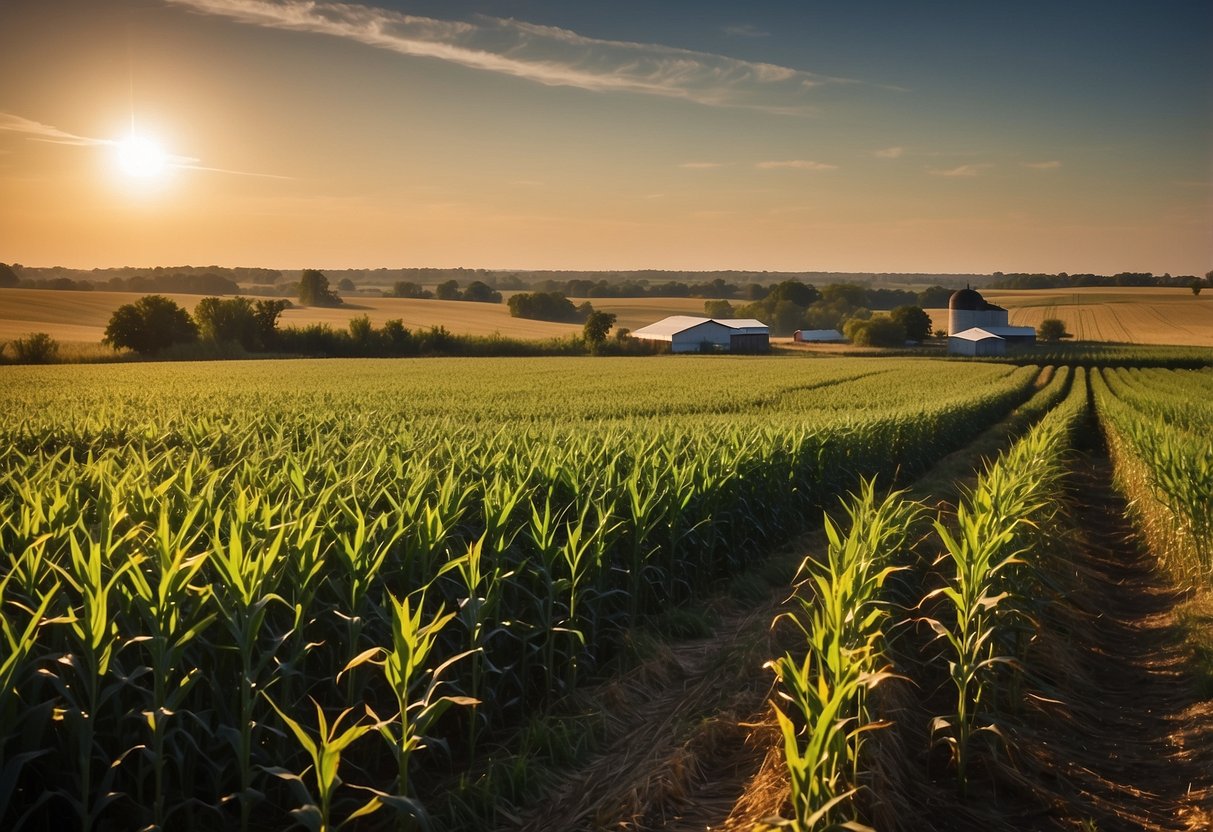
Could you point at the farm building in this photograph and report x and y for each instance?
(969, 311)
(686, 333)
(977, 341)
(818, 336)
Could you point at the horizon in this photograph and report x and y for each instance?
(778, 137)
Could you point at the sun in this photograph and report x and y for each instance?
(141, 157)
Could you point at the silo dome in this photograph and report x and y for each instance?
(968, 300)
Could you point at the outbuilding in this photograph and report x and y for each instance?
(818, 336)
(686, 333)
(977, 341)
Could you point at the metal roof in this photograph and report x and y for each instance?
(668, 327)
(820, 335)
(977, 334)
(1011, 331)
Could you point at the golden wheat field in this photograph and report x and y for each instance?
(1133, 315)
(80, 317)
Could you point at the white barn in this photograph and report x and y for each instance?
(686, 333)
(977, 341)
(969, 312)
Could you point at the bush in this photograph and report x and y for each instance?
(1052, 330)
(35, 348)
(149, 325)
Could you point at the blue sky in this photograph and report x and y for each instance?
(860, 136)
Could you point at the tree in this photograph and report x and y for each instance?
(409, 289)
(597, 327)
(8, 277)
(227, 320)
(448, 290)
(1052, 330)
(314, 290)
(149, 325)
(544, 306)
(481, 292)
(915, 321)
(880, 331)
(801, 294)
(718, 309)
(1196, 287)
(265, 313)
(346, 285)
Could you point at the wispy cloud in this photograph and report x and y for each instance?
(543, 54)
(701, 165)
(795, 164)
(744, 30)
(890, 153)
(960, 170)
(1051, 165)
(39, 132)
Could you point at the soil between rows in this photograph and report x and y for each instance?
(1115, 736)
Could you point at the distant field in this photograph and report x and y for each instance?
(1144, 315)
(80, 317)
(1130, 315)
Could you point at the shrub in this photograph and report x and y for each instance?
(35, 348)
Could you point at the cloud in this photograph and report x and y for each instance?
(542, 54)
(890, 153)
(701, 165)
(1053, 165)
(960, 170)
(39, 132)
(744, 30)
(795, 164)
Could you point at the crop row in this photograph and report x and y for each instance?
(1159, 425)
(982, 615)
(222, 598)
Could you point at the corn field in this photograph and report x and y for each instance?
(1160, 433)
(246, 595)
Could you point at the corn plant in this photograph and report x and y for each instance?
(414, 684)
(324, 752)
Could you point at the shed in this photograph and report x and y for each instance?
(976, 341)
(686, 333)
(818, 336)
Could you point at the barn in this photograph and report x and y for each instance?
(969, 311)
(977, 341)
(818, 336)
(686, 333)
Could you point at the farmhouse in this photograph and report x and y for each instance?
(969, 312)
(818, 336)
(686, 333)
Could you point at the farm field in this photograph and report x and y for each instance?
(81, 317)
(1134, 315)
(217, 573)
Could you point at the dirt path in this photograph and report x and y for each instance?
(1116, 737)
(1132, 745)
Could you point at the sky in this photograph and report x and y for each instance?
(553, 134)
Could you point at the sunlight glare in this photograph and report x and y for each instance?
(141, 157)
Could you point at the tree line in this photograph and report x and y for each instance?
(1062, 280)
